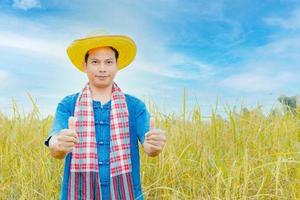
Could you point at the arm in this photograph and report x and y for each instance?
(61, 137)
(153, 140)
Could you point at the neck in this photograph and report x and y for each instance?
(101, 94)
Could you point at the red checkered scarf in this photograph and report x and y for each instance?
(84, 180)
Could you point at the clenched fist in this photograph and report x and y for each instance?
(155, 140)
(63, 143)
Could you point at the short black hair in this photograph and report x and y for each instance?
(115, 51)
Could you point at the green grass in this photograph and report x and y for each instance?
(245, 155)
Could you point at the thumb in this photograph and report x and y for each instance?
(152, 123)
(72, 123)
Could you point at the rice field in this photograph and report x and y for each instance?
(244, 155)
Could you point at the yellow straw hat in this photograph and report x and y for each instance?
(123, 44)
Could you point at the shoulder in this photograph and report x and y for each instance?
(134, 101)
(70, 98)
(68, 102)
(135, 104)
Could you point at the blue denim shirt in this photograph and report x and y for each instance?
(138, 125)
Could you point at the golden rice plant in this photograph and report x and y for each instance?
(243, 155)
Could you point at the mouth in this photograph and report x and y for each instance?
(101, 77)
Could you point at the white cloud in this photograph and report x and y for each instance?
(176, 66)
(269, 68)
(34, 44)
(258, 81)
(26, 4)
(291, 22)
(3, 76)
(285, 49)
(273, 66)
(7, 80)
(167, 66)
(151, 57)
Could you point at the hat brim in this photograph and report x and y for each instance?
(123, 44)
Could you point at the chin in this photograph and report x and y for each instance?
(101, 85)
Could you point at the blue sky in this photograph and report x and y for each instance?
(231, 51)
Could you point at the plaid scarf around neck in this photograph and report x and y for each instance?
(84, 179)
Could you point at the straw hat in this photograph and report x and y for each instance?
(123, 44)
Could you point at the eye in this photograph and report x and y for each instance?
(109, 62)
(94, 61)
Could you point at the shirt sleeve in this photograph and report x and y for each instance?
(60, 121)
(142, 121)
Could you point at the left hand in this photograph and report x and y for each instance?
(155, 140)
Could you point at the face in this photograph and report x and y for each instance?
(101, 67)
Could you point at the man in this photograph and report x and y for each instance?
(97, 130)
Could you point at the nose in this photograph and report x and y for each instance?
(101, 68)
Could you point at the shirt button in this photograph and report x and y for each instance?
(101, 122)
(100, 163)
(101, 142)
(105, 183)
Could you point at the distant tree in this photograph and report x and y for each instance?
(289, 103)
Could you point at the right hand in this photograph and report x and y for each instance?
(155, 140)
(66, 139)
